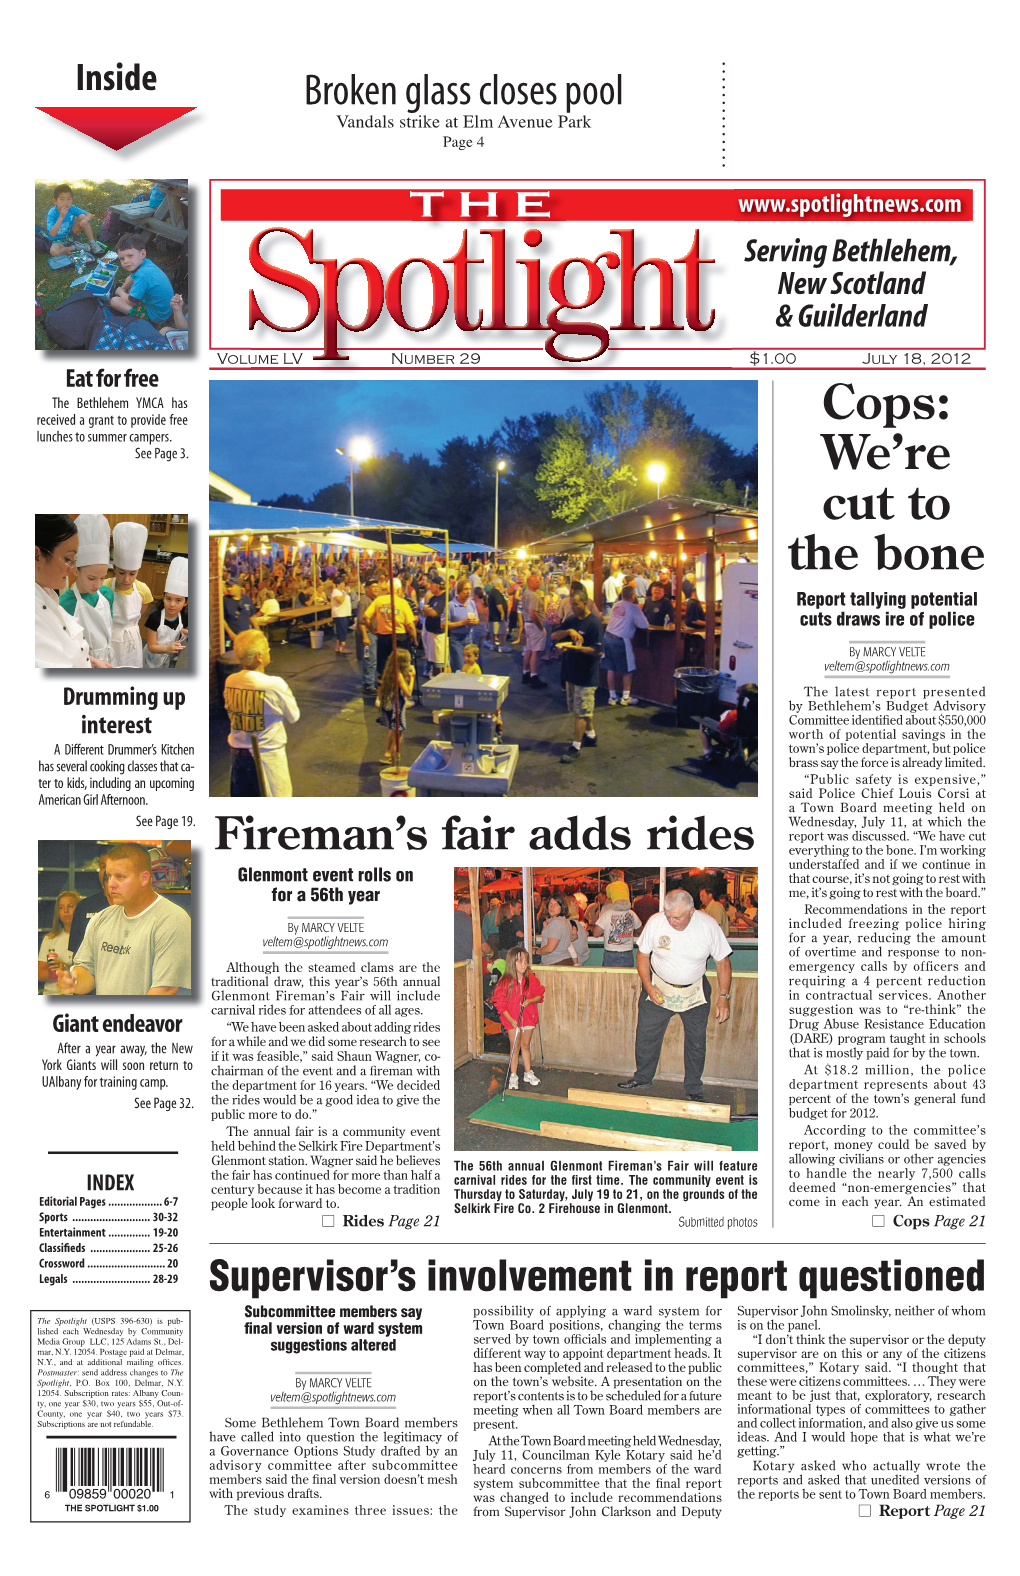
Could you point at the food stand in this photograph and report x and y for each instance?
(694, 536)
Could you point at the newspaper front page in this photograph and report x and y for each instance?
(524, 685)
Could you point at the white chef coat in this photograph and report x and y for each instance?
(60, 641)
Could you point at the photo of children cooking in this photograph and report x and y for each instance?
(111, 591)
(111, 265)
(114, 917)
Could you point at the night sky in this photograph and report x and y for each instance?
(271, 436)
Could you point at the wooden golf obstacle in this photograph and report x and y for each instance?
(607, 1120)
(608, 1099)
(605, 1138)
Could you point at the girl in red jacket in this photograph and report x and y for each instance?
(519, 987)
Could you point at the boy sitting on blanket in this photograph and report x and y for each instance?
(69, 227)
(146, 285)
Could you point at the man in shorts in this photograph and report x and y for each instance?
(672, 957)
(533, 611)
(579, 638)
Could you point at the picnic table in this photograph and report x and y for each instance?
(288, 616)
(169, 220)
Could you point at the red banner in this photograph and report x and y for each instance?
(475, 205)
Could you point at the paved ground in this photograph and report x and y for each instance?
(478, 1081)
(335, 749)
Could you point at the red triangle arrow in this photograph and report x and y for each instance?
(112, 126)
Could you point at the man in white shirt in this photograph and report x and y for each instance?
(673, 954)
(259, 705)
(340, 612)
(612, 585)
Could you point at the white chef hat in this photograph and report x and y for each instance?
(93, 539)
(129, 539)
(177, 578)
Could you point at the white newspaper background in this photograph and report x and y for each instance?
(322, 1324)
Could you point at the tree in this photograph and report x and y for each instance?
(595, 462)
(579, 482)
(285, 501)
(561, 470)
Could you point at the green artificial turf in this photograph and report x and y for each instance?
(528, 1113)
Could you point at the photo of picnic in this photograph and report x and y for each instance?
(111, 265)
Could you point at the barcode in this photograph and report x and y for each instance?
(109, 1466)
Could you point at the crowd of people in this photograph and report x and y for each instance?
(450, 618)
(498, 598)
(568, 916)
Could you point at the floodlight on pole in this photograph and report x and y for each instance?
(500, 466)
(657, 474)
(357, 449)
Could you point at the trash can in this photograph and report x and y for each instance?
(316, 638)
(695, 691)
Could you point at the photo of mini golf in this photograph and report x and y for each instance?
(606, 1008)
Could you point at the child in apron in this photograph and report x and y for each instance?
(88, 600)
(130, 595)
(166, 628)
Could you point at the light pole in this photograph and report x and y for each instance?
(657, 474)
(500, 466)
(357, 449)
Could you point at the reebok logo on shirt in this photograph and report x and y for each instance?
(123, 951)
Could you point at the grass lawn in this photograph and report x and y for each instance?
(53, 285)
